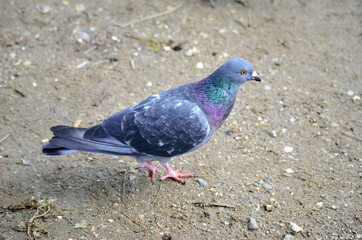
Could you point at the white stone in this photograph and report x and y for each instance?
(350, 93)
(289, 171)
(273, 133)
(115, 38)
(166, 48)
(27, 63)
(267, 87)
(319, 204)
(295, 227)
(192, 51)
(149, 84)
(252, 224)
(200, 65)
(356, 98)
(288, 237)
(334, 125)
(288, 149)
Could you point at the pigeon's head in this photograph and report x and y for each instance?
(238, 70)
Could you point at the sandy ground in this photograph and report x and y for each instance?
(289, 152)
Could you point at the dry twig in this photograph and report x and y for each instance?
(203, 205)
(350, 135)
(3, 139)
(151, 17)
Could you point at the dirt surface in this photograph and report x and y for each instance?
(289, 152)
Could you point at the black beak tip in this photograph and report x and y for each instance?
(258, 79)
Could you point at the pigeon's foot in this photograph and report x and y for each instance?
(175, 174)
(152, 170)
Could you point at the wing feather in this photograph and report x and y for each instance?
(159, 127)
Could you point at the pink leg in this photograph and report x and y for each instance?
(152, 170)
(175, 174)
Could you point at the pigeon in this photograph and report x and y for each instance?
(162, 126)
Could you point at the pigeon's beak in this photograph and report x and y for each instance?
(256, 77)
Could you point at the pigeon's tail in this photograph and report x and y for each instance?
(69, 139)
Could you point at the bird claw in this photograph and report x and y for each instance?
(176, 175)
(152, 170)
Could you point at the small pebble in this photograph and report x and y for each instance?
(272, 201)
(199, 65)
(79, 7)
(166, 48)
(225, 55)
(192, 51)
(115, 38)
(273, 133)
(132, 177)
(34, 84)
(202, 182)
(110, 220)
(276, 61)
(25, 162)
(288, 237)
(268, 207)
(60, 217)
(289, 171)
(27, 63)
(267, 186)
(295, 227)
(252, 224)
(319, 204)
(334, 125)
(350, 93)
(149, 84)
(267, 87)
(226, 223)
(356, 98)
(288, 149)
(255, 196)
(81, 35)
(45, 8)
(292, 119)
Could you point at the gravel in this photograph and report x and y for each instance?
(252, 224)
(288, 237)
(202, 182)
(295, 227)
(267, 186)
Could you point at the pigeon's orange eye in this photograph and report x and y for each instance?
(243, 71)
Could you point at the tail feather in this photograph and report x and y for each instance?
(69, 139)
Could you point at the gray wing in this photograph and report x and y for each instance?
(160, 127)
